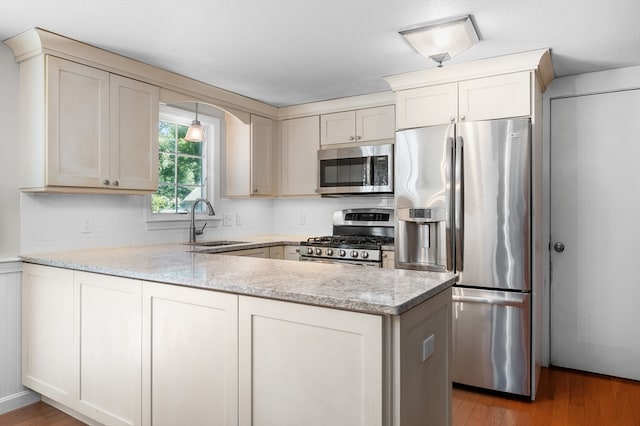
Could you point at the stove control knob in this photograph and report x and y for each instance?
(364, 254)
(309, 250)
(329, 252)
(354, 254)
(318, 252)
(342, 253)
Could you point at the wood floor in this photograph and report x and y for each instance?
(565, 398)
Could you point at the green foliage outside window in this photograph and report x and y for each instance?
(181, 170)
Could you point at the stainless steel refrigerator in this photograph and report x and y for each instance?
(463, 204)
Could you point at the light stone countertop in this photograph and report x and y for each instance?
(349, 287)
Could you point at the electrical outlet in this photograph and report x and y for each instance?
(226, 219)
(87, 226)
(238, 221)
(303, 218)
(428, 347)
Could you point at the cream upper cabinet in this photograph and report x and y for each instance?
(501, 96)
(134, 134)
(99, 130)
(488, 98)
(300, 140)
(249, 158)
(262, 130)
(357, 126)
(427, 106)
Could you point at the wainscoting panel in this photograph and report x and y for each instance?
(12, 393)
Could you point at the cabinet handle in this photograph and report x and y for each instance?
(452, 118)
(255, 190)
(106, 181)
(358, 137)
(115, 183)
(350, 138)
(462, 117)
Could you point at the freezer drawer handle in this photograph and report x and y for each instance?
(487, 300)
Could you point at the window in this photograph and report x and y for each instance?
(184, 171)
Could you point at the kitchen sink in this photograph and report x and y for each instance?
(217, 243)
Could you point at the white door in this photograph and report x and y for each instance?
(595, 212)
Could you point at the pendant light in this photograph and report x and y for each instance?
(195, 132)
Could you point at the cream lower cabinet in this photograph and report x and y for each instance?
(292, 252)
(388, 259)
(190, 362)
(81, 342)
(49, 334)
(305, 365)
(109, 330)
(124, 352)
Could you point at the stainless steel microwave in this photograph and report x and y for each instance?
(357, 170)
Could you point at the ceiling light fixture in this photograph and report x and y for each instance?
(195, 132)
(443, 39)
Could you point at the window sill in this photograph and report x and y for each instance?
(177, 222)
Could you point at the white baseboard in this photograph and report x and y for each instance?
(18, 400)
(71, 412)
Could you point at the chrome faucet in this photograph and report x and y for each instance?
(193, 231)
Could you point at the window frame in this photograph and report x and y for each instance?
(212, 125)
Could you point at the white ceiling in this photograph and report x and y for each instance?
(287, 52)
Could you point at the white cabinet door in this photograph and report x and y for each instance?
(299, 160)
(376, 123)
(306, 365)
(77, 124)
(427, 106)
(292, 252)
(133, 135)
(261, 155)
(237, 157)
(49, 350)
(190, 347)
(276, 252)
(501, 96)
(338, 127)
(109, 324)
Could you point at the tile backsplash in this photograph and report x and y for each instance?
(51, 222)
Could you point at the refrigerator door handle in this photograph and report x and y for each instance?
(448, 184)
(498, 301)
(459, 203)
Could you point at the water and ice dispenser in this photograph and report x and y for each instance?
(421, 238)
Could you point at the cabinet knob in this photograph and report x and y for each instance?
(358, 137)
(452, 118)
(462, 117)
(255, 190)
(106, 181)
(115, 183)
(350, 138)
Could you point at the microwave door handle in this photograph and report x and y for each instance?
(369, 170)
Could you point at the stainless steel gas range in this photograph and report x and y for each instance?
(358, 237)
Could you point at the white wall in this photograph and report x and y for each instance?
(9, 194)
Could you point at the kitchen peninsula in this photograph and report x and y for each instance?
(167, 335)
